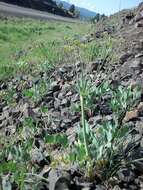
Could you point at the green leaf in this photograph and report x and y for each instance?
(61, 139)
(28, 93)
(8, 167)
(50, 139)
(57, 139)
(44, 109)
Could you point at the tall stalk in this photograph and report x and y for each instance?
(82, 96)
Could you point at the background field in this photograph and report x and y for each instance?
(33, 42)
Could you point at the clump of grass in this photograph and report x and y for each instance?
(75, 50)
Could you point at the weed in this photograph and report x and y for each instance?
(101, 153)
(37, 91)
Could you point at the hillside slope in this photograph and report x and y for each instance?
(23, 12)
(77, 124)
(42, 5)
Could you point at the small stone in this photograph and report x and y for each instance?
(108, 118)
(54, 87)
(3, 86)
(61, 96)
(133, 84)
(36, 155)
(139, 16)
(65, 88)
(62, 70)
(50, 104)
(140, 108)
(49, 93)
(69, 93)
(57, 104)
(141, 143)
(126, 175)
(124, 57)
(59, 180)
(93, 66)
(95, 120)
(66, 123)
(133, 187)
(75, 118)
(65, 113)
(86, 188)
(75, 98)
(100, 187)
(65, 103)
(139, 55)
(117, 188)
(139, 24)
(136, 63)
(56, 94)
(47, 99)
(131, 115)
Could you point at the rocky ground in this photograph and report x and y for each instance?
(61, 97)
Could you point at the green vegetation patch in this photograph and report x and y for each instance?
(33, 42)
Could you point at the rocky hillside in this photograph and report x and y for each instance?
(60, 147)
(42, 5)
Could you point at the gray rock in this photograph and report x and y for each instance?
(50, 104)
(49, 93)
(108, 118)
(117, 188)
(69, 94)
(65, 113)
(54, 86)
(139, 55)
(57, 104)
(62, 70)
(61, 96)
(126, 175)
(135, 64)
(95, 120)
(65, 88)
(124, 57)
(65, 102)
(139, 24)
(75, 98)
(36, 155)
(66, 123)
(75, 118)
(86, 188)
(56, 94)
(47, 99)
(139, 16)
(100, 187)
(93, 66)
(133, 187)
(59, 180)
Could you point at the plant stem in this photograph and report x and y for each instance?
(83, 124)
(37, 176)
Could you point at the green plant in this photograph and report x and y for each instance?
(50, 51)
(100, 50)
(83, 85)
(101, 153)
(105, 150)
(93, 93)
(37, 91)
(123, 98)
